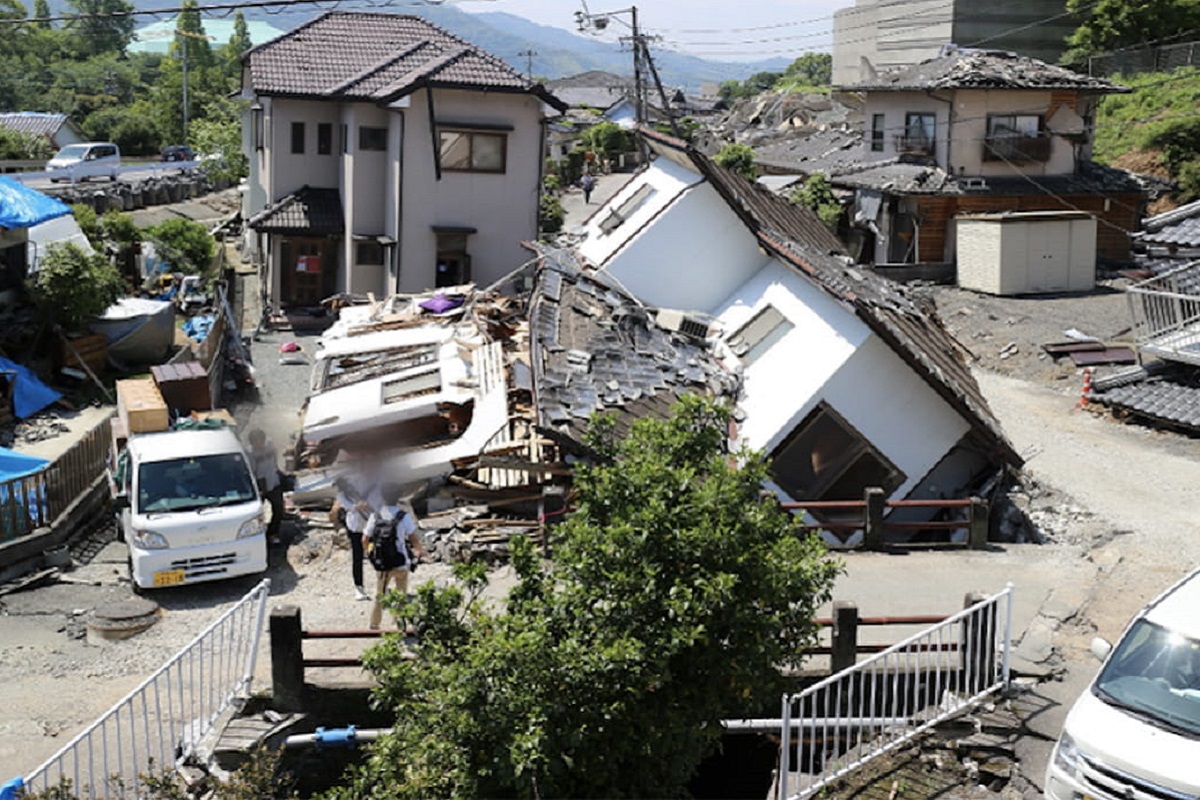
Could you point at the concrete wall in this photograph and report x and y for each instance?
(288, 171)
(895, 106)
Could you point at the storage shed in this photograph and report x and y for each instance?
(1031, 252)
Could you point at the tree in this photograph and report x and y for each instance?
(817, 194)
(550, 212)
(1106, 25)
(185, 245)
(136, 135)
(104, 27)
(811, 69)
(739, 158)
(239, 41)
(23, 146)
(677, 596)
(72, 287)
(218, 137)
(607, 140)
(89, 223)
(41, 10)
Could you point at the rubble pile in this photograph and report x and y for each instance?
(158, 190)
(471, 533)
(33, 430)
(778, 115)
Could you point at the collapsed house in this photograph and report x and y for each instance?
(847, 380)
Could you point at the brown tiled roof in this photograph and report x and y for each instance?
(907, 324)
(309, 210)
(982, 69)
(376, 57)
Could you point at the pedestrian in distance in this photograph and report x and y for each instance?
(393, 547)
(358, 498)
(587, 183)
(264, 465)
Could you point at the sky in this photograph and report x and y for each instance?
(741, 30)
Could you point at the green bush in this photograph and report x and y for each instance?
(551, 183)
(550, 214)
(817, 194)
(71, 286)
(185, 245)
(608, 140)
(89, 223)
(136, 136)
(739, 158)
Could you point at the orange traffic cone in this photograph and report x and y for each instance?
(1086, 396)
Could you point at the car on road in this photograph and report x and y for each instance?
(178, 152)
(78, 162)
(1135, 733)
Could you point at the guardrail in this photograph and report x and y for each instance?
(872, 520)
(168, 713)
(871, 708)
(69, 176)
(1166, 314)
(36, 501)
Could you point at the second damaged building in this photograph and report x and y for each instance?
(848, 381)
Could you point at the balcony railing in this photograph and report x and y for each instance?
(916, 145)
(1166, 314)
(1018, 149)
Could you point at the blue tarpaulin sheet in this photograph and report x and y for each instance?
(30, 395)
(22, 207)
(197, 328)
(18, 465)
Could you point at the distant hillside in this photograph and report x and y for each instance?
(559, 52)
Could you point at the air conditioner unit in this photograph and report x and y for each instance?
(672, 320)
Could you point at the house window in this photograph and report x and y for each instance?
(473, 151)
(298, 138)
(370, 253)
(453, 261)
(1016, 137)
(324, 138)
(410, 386)
(825, 458)
(370, 138)
(920, 132)
(877, 130)
(345, 139)
(256, 125)
(758, 335)
(627, 208)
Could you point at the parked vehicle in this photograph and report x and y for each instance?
(178, 152)
(78, 162)
(189, 508)
(1135, 732)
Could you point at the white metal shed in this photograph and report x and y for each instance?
(1027, 252)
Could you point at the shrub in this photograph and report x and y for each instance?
(739, 158)
(71, 286)
(550, 214)
(185, 245)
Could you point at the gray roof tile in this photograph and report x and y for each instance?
(33, 123)
(309, 210)
(1172, 399)
(962, 68)
(1180, 226)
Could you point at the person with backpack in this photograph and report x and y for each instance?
(393, 548)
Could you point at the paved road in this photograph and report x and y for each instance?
(128, 176)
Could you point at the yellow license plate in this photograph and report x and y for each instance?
(169, 577)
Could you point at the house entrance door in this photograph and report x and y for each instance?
(308, 271)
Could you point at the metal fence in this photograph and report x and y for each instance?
(36, 500)
(862, 712)
(1163, 58)
(1166, 314)
(168, 713)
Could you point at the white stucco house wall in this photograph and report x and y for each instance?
(847, 381)
(387, 155)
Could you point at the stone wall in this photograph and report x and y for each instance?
(159, 190)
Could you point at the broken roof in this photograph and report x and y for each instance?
(595, 348)
(908, 324)
(1169, 395)
(308, 210)
(354, 55)
(1179, 227)
(962, 68)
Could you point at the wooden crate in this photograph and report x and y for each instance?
(184, 386)
(92, 350)
(141, 407)
(217, 413)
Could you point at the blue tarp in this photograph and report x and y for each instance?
(197, 328)
(18, 465)
(22, 207)
(30, 395)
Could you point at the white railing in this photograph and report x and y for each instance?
(167, 714)
(850, 718)
(1166, 314)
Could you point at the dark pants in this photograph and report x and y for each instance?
(275, 498)
(356, 556)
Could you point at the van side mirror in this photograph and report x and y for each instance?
(1101, 648)
(120, 501)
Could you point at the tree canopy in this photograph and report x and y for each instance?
(1106, 25)
(677, 594)
(72, 286)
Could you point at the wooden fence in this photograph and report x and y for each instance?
(870, 515)
(36, 501)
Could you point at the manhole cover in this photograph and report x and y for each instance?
(115, 621)
(125, 609)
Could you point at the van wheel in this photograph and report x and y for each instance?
(112, 176)
(138, 590)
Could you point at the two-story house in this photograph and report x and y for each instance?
(971, 132)
(387, 155)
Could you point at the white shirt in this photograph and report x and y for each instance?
(404, 528)
(265, 464)
(364, 488)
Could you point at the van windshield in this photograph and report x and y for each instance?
(72, 151)
(1155, 674)
(193, 483)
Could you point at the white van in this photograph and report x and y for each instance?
(190, 509)
(78, 162)
(1135, 732)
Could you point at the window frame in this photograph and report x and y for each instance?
(372, 130)
(628, 207)
(471, 135)
(769, 338)
(324, 138)
(358, 250)
(297, 137)
(878, 132)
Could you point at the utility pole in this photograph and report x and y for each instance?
(528, 56)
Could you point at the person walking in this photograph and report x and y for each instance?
(390, 533)
(264, 464)
(587, 183)
(358, 497)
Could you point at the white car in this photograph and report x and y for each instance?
(1135, 733)
(78, 162)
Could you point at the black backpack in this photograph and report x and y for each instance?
(385, 555)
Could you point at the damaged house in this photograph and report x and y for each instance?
(847, 381)
(387, 155)
(970, 132)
